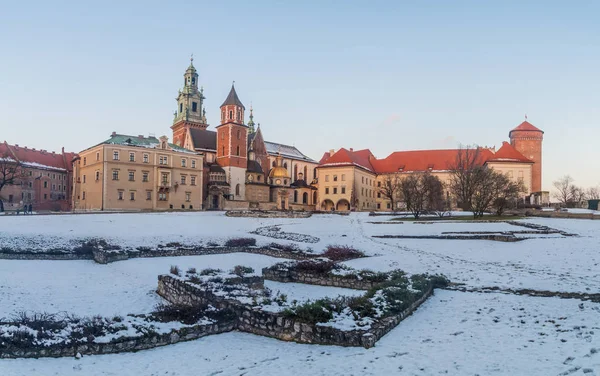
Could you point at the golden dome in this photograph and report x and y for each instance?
(278, 172)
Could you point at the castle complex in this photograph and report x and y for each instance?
(233, 167)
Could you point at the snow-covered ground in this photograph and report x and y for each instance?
(453, 333)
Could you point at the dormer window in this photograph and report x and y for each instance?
(401, 168)
(430, 167)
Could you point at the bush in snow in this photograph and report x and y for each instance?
(313, 312)
(181, 313)
(315, 266)
(191, 271)
(210, 271)
(342, 253)
(175, 270)
(241, 242)
(240, 270)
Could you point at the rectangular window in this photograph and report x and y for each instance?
(326, 177)
(45, 196)
(183, 179)
(162, 197)
(115, 155)
(83, 195)
(194, 107)
(120, 195)
(132, 196)
(334, 177)
(334, 190)
(53, 176)
(378, 206)
(131, 175)
(378, 194)
(520, 175)
(379, 184)
(148, 195)
(84, 161)
(192, 180)
(84, 178)
(193, 163)
(388, 205)
(326, 190)
(188, 196)
(30, 185)
(163, 160)
(343, 190)
(97, 156)
(145, 176)
(131, 157)
(510, 174)
(53, 187)
(29, 196)
(146, 158)
(362, 191)
(115, 174)
(165, 178)
(183, 162)
(363, 181)
(10, 199)
(97, 175)
(343, 177)
(45, 184)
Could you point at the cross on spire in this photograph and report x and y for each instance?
(192, 58)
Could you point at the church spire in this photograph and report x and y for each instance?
(251, 121)
(232, 110)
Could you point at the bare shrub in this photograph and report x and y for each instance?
(342, 253)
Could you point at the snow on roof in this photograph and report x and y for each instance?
(286, 151)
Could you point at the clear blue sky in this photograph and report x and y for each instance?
(384, 75)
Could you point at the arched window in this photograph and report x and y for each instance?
(285, 165)
(222, 115)
(258, 178)
(274, 164)
(223, 151)
(237, 150)
(230, 115)
(295, 196)
(315, 173)
(238, 114)
(237, 190)
(305, 173)
(314, 198)
(296, 172)
(305, 198)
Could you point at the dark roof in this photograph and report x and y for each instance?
(301, 183)
(232, 98)
(286, 151)
(216, 168)
(203, 139)
(254, 166)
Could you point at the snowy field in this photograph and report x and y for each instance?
(453, 333)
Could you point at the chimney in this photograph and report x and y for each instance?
(113, 134)
(33, 149)
(53, 152)
(331, 151)
(16, 145)
(63, 149)
(141, 136)
(351, 149)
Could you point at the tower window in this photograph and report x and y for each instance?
(230, 115)
(223, 151)
(193, 80)
(237, 151)
(238, 115)
(194, 106)
(180, 107)
(239, 134)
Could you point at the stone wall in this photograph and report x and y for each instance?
(268, 214)
(290, 275)
(44, 256)
(277, 325)
(552, 214)
(123, 345)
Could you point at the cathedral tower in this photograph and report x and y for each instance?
(527, 139)
(190, 111)
(232, 144)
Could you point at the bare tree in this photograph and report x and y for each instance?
(390, 188)
(563, 189)
(508, 192)
(578, 195)
(10, 171)
(414, 191)
(593, 193)
(463, 175)
(422, 192)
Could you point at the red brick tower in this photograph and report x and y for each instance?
(232, 143)
(527, 139)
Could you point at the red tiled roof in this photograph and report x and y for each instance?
(422, 160)
(526, 126)
(507, 153)
(39, 158)
(345, 157)
(325, 157)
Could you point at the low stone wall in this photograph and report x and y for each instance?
(45, 256)
(106, 257)
(315, 279)
(276, 325)
(123, 345)
(235, 205)
(552, 214)
(498, 238)
(268, 214)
